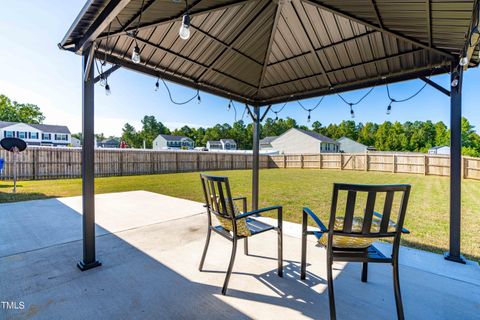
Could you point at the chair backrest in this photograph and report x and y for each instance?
(218, 198)
(373, 193)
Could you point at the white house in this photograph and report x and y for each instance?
(439, 150)
(36, 134)
(166, 141)
(222, 144)
(76, 142)
(298, 141)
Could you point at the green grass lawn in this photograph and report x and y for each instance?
(427, 215)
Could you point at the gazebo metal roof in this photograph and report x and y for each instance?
(263, 52)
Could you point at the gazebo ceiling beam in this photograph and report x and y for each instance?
(331, 45)
(187, 59)
(278, 12)
(360, 84)
(106, 73)
(377, 13)
(173, 77)
(223, 44)
(234, 41)
(129, 23)
(109, 13)
(309, 42)
(349, 16)
(174, 18)
(386, 58)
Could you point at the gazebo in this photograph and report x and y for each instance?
(264, 52)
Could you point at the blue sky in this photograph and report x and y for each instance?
(33, 69)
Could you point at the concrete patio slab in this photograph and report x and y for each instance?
(151, 272)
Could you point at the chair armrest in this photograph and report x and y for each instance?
(244, 202)
(307, 212)
(256, 212)
(379, 215)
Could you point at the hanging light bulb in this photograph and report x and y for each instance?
(199, 100)
(308, 118)
(103, 81)
(352, 113)
(389, 108)
(276, 116)
(463, 61)
(184, 31)
(157, 85)
(107, 89)
(229, 105)
(136, 55)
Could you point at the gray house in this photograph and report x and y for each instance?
(166, 141)
(222, 144)
(298, 141)
(266, 143)
(36, 134)
(348, 145)
(109, 143)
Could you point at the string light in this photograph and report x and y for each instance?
(199, 100)
(157, 84)
(229, 105)
(184, 31)
(136, 50)
(196, 96)
(278, 111)
(351, 104)
(352, 113)
(107, 89)
(393, 100)
(309, 117)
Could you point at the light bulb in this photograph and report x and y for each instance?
(107, 90)
(136, 55)
(157, 86)
(352, 113)
(455, 81)
(229, 106)
(199, 100)
(276, 117)
(464, 61)
(308, 119)
(389, 109)
(103, 81)
(184, 31)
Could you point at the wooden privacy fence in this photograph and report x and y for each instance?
(426, 164)
(55, 163)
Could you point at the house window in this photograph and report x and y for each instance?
(22, 135)
(9, 134)
(46, 136)
(61, 137)
(33, 135)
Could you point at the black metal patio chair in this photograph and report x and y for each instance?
(349, 238)
(235, 224)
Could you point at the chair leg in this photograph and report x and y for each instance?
(230, 266)
(245, 247)
(280, 252)
(398, 294)
(303, 266)
(331, 297)
(365, 272)
(207, 242)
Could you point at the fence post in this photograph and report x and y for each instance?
(301, 161)
(341, 161)
(425, 164)
(321, 161)
(394, 163)
(121, 162)
(34, 164)
(465, 167)
(366, 161)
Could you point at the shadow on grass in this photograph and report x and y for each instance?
(6, 197)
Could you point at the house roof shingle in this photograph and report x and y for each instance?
(49, 128)
(170, 137)
(317, 136)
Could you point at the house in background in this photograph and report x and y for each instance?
(166, 141)
(348, 145)
(222, 144)
(298, 141)
(36, 134)
(109, 143)
(266, 143)
(76, 143)
(439, 150)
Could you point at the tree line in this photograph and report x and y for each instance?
(417, 136)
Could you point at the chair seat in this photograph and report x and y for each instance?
(255, 227)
